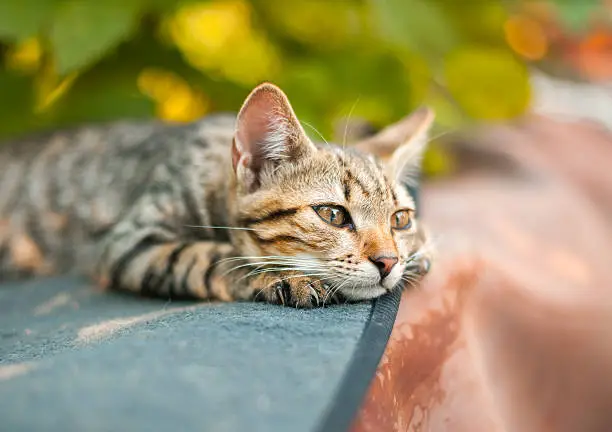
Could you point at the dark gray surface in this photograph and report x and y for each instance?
(107, 362)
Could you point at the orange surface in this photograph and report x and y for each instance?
(512, 330)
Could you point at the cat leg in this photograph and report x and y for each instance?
(150, 263)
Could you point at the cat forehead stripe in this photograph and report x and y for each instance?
(272, 216)
(370, 179)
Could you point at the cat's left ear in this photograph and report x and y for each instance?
(268, 134)
(401, 146)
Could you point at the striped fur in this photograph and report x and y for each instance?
(164, 210)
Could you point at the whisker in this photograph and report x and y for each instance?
(315, 129)
(246, 265)
(272, 266)
(258, 271)
(314, 274)
(264, 257)
(346, 125)
(348, 120)
(441, 134)
(252, 272)
(221, 227)
(332, 292)
(288, 267)
(412, 282)
(353, 288)
(410, 278)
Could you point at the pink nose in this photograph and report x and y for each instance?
(384, 264)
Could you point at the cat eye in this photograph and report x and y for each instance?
(401, 220)
(334, 215)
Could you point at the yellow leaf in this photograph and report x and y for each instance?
(176, 100)
(219, 37)
(489, 83)
(25, 56)
(526, 37)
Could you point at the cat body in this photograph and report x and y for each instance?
(228, 208)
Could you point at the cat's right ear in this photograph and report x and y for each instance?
(268, 133)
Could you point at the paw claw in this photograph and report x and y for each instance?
(313, 294)
(291, 289)
(278, 289)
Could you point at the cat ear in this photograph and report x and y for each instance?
(402, 145)
(267, 133)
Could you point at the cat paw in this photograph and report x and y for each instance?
(292, 289)
(420, 266)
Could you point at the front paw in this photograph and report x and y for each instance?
(419, 266)
(292, 289)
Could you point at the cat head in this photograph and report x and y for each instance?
(340, 213)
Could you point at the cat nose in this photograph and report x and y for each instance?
(384, 264)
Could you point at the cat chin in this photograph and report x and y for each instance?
(363, 293)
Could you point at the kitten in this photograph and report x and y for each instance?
(226, 208)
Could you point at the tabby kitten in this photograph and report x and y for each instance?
(226, 208)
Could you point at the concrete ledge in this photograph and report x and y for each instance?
(73, 359)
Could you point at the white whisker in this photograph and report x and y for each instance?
(221, 227)
(348, 120)
(263, 257)
(315, 129)
(332, 292)
(353, 289)
(257, 271)
(441, 134)
(289, 264)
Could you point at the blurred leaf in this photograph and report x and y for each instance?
(322, 24)
(176, 100)
(419, 25)
(489, 83)
(419, 76)
(164, 6)
(576, 14)
(448, 114)
(102, 98)
(219, 38)
(25, 56)
(84, 31)
(20, 19)
(437, 161)
(17, 102)
(475, 21)
(328, 87)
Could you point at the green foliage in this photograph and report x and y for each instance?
(24, 18)
(71, 61)
(15, 117)
(416, 25)
(576, 14)
(84, 31)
